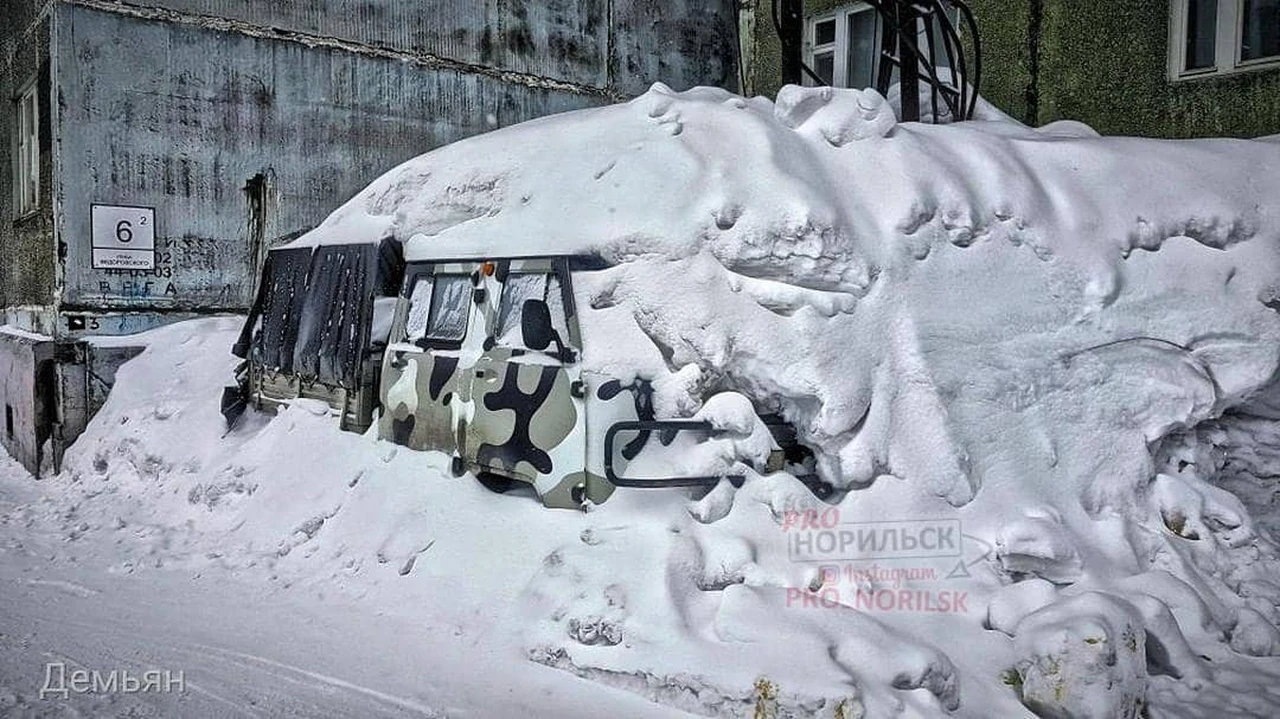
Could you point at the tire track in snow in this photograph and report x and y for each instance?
(311, 678)
(222, 682)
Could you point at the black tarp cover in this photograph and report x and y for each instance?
(283, 288)
(315, 310)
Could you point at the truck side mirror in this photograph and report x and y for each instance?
(535, 325)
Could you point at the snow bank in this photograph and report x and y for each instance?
(817, 216)
(1017, 334)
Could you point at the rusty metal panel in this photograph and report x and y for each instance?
(231, 137)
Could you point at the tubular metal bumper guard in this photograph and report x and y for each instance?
(670, 426)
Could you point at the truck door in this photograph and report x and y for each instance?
(528, 415)
(430, 351)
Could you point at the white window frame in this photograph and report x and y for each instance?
(26, 160)
(839, 48)
(1227, 41)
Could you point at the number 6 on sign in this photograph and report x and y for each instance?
(123, 237)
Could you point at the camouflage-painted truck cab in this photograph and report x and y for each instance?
(484, 363)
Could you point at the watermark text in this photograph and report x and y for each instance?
(61, 682)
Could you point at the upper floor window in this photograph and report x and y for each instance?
(1210, 37)
(843, 46)
(27, 159)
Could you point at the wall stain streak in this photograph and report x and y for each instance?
(423, 59)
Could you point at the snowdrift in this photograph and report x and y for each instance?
(1056, 344)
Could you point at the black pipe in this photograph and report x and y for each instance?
(888, 44)
(959, 70)
(933, 60)
(909, 70)
(790, 24)
(972, 25)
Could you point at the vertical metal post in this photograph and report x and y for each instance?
(909, 72)
(888, 46)
(791, 32)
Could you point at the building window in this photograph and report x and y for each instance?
(27, 159)
(843, 46)
(1259, 29)
(8, 421)
(1201, 34)
(1212, 37)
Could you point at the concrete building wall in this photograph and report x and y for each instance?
(1106, 64)
(682, 43)
(564, 40)
(27, 249)
(620, 45)
(1007, 31)
(243, 123)
(239, 140)
(765, 66)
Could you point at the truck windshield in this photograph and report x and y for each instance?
(438, 308)
(521, 286)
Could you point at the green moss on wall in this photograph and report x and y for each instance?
(766, 70)
(1006, 62)
(1107, 64)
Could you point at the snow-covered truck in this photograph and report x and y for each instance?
(476, 355)
(673, 289)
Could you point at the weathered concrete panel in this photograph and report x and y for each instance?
(616, 45)
(186, 119)
(25, 411)
(680, 42)
(18, 16)
(564, 40)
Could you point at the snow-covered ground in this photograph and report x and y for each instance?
(1039, 363)
(151, 565)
